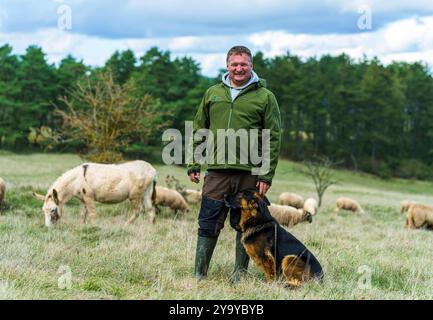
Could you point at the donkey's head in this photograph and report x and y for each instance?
(52, 207)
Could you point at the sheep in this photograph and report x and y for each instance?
(2, 190)
(289, 216)
(419, 215)
(291, 199)
(192, 196)
(346, 203)
(310, 205)
(170, 198)
(404, 206)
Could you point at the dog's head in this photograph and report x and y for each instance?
(252, 208)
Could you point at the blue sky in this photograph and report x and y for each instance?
(205, 30)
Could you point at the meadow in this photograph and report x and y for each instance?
(364, 256)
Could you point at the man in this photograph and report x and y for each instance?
(239, 102)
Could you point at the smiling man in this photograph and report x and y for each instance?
(239, 102)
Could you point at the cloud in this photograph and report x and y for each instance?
(206, 30)
(117, 19)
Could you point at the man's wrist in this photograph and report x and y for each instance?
(268, 182)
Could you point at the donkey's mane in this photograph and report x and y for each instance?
(63, 183)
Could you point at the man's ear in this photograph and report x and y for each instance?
(229, 199)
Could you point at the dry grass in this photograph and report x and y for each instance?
(111, 261)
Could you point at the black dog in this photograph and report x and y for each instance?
(269, 245)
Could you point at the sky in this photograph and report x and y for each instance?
(91, 30)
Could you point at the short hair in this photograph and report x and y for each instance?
(238, 50)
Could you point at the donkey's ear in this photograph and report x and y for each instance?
(55, 197)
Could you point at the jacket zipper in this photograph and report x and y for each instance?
(228, 126)
(230, 116)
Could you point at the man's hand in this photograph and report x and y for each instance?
(263, 187)
(194, 177)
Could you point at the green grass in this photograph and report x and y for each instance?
(143, 261)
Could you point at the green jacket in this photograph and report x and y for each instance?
(255, 107)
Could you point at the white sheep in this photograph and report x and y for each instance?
(170, 198)
(2, 190)
(419, 215)
(291, 199)
(192, 196)
(346, 203)
(310, 205)
(289, 216)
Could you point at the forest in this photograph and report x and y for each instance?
(363, 114)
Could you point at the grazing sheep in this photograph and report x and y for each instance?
(291, 199)
(103, 183)
(192, 196)
(289, 216)
(310, 205)
(419, 215)
(170, 198)
(346, 203)
(405, 205)
(2, 191)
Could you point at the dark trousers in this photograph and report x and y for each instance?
(213, 211)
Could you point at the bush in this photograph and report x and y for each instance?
(379, 168)
(413, 169)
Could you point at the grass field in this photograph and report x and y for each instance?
(368, 256)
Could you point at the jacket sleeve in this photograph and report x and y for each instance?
(272, 121)
(201, 121)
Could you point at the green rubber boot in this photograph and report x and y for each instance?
(203, 254)
(241, 261)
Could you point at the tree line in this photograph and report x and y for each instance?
(363, 114)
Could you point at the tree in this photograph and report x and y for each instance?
(9, 92)
(122, 65)
(321, 173)
(112, 117)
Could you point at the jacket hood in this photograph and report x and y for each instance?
(226, 80)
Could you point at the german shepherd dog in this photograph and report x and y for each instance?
(270, 246)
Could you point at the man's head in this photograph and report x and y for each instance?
(239, 65)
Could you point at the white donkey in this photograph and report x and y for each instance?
(104, 183)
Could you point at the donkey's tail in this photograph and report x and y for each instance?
(154, 193)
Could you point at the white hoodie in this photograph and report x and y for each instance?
(235, 91)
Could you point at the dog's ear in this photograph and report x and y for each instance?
(263, 197)
(264, 209)
(266, 201)
(229, 199)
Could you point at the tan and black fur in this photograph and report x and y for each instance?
(271, 247)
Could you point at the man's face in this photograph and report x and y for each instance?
(239, 68)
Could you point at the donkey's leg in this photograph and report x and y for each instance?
(84, 212)
(90, 205)
(136, 206)
(149, 208)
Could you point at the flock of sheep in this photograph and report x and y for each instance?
(290, 210)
